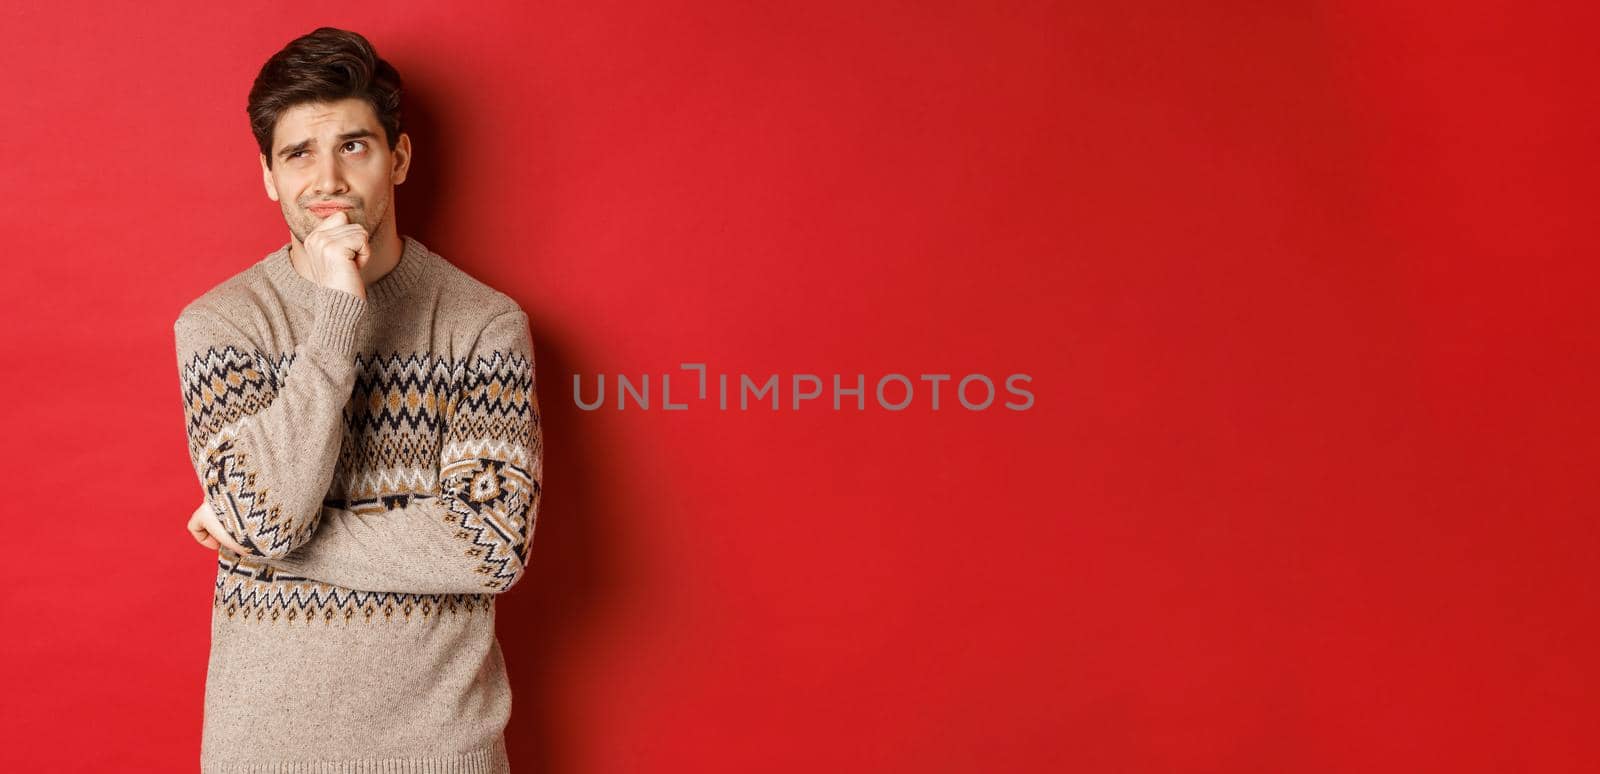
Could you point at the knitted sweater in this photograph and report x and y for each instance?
(381, 461)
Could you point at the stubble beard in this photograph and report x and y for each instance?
(384, 206)
(303, 228)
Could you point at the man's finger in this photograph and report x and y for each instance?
(335, 219)
(206, 519)
(203, 538)
(226, 540)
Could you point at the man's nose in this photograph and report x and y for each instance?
(330, 177)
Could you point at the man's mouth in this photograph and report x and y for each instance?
(324, 210)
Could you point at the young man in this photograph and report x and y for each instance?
(362, 416)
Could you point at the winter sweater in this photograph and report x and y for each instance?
(381, 461)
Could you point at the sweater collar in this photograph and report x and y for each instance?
(389, 288)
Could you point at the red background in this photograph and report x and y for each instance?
(1306, 293)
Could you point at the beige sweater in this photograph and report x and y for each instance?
(381, 460)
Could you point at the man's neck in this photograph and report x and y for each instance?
(385, 246)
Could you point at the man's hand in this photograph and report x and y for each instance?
(338, 250)
(207, 531)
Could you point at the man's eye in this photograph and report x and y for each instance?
(362, 143)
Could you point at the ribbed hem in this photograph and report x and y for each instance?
(337, 316)
(489, 760)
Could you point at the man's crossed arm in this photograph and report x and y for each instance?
(265, 456)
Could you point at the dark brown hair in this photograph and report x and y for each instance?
(325, 65)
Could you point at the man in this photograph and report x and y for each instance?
(362, 416)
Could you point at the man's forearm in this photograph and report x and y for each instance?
(265, 451)
(471, 534)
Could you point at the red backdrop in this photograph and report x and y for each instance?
(1305, 292)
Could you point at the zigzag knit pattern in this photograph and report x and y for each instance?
(417, 427)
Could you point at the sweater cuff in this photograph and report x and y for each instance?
(337, 316)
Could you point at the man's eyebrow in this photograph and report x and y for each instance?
(343, 138)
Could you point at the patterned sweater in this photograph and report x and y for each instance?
(381, 461)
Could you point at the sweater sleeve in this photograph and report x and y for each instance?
(264, 446)
(472, 533)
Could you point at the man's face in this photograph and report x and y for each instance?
(333, 154)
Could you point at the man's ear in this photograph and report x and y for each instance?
(402, 158)
(266, 178)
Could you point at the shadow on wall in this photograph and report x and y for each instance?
(569, 580)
